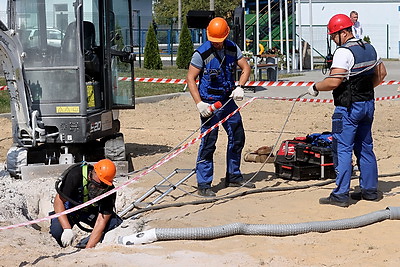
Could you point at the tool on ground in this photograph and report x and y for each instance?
(209, 233)
(306, 157)
(261, 155)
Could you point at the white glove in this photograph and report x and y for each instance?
(204, 109)
(237, 94)
(312, 90)
(67, 237)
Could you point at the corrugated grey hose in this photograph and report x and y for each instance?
(203, 233)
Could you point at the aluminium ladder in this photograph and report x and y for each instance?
(164, 187)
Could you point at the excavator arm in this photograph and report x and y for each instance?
(25, 123)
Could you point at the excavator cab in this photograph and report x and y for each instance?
(71, 56)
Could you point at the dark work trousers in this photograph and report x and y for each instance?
(236, 139)
(56, 229)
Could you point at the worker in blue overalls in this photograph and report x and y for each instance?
(215, 63)
(356, 70)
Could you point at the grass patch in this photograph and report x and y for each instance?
(390, 59)
(149, 89)
(288, 75)
(4, 102)
(4, 98)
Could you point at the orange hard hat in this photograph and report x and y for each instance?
(217, 30)
(339, 22)
(105, 170)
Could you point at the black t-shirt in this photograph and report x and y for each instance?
(72, 187)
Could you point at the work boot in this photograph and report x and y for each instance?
(330, 201)
(206, 192)
(240, 184)
(360, 196)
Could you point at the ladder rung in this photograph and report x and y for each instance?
(184, 170)
(142, 205)
(158, 187)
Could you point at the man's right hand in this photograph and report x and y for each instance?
(204, 109)
(67, 237)
(312, 90)
(238, 93)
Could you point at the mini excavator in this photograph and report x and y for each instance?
(62, 60)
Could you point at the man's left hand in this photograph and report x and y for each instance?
(237, 94)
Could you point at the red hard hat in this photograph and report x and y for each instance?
(339, 22)
(217, 30)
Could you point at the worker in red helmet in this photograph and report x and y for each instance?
(356, 70)
(79, 184)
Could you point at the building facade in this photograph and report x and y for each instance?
(380, 21)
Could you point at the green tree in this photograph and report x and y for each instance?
(367, 39)
(185, 49)
(152, 59)
(168, 8)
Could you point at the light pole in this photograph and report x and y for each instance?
(179, 14)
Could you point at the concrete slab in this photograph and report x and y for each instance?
(32, 172)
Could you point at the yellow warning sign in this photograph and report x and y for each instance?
(67, 109)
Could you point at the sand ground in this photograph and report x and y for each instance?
(154, 129)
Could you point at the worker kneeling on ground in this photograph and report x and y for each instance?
(81, 183)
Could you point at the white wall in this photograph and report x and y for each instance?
(374, 18)
(3, 13)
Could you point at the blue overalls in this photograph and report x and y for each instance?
(352, 123)
(216, 84)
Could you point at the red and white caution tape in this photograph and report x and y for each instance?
(316, 100)
(289, 84)
(251, 83)
(271, 84)
(154, 80)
